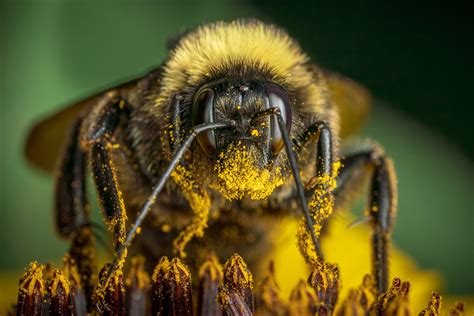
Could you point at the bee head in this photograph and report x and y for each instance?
(229, 72)
(236, 103)
(245, 151)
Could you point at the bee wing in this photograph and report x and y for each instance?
(352, 100)
(46, 138)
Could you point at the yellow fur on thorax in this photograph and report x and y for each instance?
(215, 47)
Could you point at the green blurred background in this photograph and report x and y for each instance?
(416, 61)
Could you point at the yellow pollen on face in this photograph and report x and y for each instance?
(239, 174)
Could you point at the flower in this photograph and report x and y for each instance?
(227, 289)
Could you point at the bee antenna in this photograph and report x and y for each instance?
(296, 175)
(196, 130)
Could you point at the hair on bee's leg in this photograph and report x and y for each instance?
(72, 210)
(381, 204)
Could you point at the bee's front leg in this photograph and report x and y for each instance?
(97, 137)
(381, 203)
(319, 189)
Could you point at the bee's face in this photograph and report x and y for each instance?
(236, 104)
(248, 147)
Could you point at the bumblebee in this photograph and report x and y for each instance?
(236, 129)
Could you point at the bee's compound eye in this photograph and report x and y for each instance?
(203, 113)
(277, 97)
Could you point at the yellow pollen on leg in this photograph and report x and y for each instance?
(200, 204)
(321, 207)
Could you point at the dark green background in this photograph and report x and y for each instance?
(417, 54)
(417, 60)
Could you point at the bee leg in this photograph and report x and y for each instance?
(71, 207)
(72, 210)
(97, 137)
(320, 195)
(307, 235)
(381, 203)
